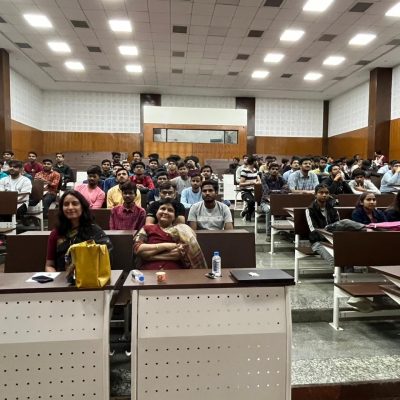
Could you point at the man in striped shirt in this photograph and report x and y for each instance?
(248, 178)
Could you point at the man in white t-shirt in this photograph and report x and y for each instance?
(16, 182)
(210, 214)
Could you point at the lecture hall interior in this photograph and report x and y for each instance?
(213, 79)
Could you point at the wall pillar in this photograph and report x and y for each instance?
(325, 126)
(380, 100)
(5, 106)
(147, 99)
(249, 104)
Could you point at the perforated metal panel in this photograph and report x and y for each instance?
(212, 343)
(54, 345)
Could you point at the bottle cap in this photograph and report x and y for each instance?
(140, 278)
(216, 253)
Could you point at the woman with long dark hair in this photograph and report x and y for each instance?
(366, 211)
(75, 225)
(393, 211)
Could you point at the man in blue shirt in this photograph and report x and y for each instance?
(192, 195)
(303, 181)
(391, 180)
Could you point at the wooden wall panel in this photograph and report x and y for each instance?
(289, 146)
(25, 139)
(202, 150)
(394, 150)
(89, 141)
(349, 143)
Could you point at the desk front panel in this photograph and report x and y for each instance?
(214, 343)
(54, 345)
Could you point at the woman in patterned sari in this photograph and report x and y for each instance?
(168, 246)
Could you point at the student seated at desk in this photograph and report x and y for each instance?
(210, 214)
(366, 211)
(127, 216)
(319, 214)
(74, 226)
(192, 195)
(393, 211)
(166, 245)
(360, 185)
(91, 190)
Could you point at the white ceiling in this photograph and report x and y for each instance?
(217, 31)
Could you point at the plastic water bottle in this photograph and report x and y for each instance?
(216, 264)
(138, 276)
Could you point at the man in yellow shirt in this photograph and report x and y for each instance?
(114, 195)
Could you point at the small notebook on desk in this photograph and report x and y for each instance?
(266, 276)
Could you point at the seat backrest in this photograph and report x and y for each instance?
(37, 190)
(236, 247)
(350, 200)
(365, 248)
(278, 202)
(32, 258)
(8, 203)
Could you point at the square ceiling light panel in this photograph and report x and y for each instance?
(317, 5)
(291, 35)
(74, 65)
(59, 47)
(273, 58)
(128, 50)
(134, 68)
(259, 74)
(333, 60)
(120, 25)
(394, 11)
(312, 76)
(38, 21)
(362, 39)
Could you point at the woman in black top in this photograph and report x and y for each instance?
(74, 226)
(366, 211)
(393, 211)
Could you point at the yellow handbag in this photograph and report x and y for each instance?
(92, 264)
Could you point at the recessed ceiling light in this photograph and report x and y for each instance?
(260, 74)
(273, 57)
(362, 39)
(134, 68)
(59, 47)
(394, 11)
(128, 50)
(74, 65)
(312, 76)
(38, 20)
(317, 5)
(333, 60)
(120, 25)
(291, 35)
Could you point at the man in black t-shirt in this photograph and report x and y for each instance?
(167, 191)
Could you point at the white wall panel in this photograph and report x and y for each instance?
(349, 111)
(396, 93)
(26, 101)
(198, 101)
(91, 112)
(194, 116)
(286, 117)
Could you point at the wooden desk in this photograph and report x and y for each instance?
(373, 249)
(27, 252)
(199, 338)
(392, 273)
(8, 206)
(55, 343)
